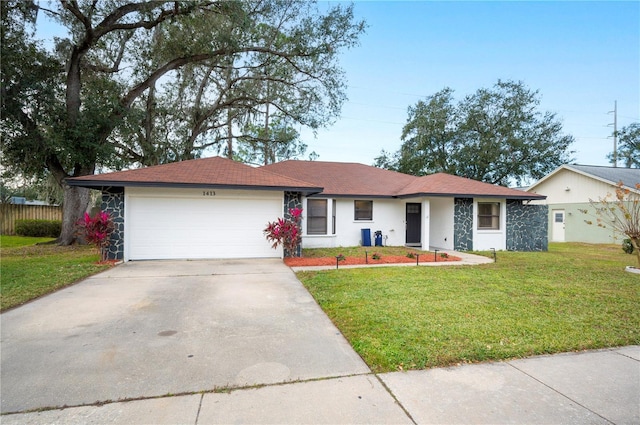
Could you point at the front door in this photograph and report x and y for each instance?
(557, 229)
(414, 224)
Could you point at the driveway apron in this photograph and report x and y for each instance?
(146, 329)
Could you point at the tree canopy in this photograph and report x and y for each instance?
(496, 135)
(628, 146)
(274, 142)
(158, 81)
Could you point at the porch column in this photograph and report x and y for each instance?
(426, 216)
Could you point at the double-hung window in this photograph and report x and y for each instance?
(488, 216)
(316, 216)
(363, 210)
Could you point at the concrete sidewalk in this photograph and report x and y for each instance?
(596, 387)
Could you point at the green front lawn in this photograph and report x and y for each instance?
(28, 271)
(574, 297)
(18, 241)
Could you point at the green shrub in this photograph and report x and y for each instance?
(39, 228)
(627, 246)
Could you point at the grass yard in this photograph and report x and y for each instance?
(574, 297)
(28, 271)
(18, 241)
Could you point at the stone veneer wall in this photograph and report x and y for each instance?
(113, 203)
(292, 200)
(463, 224)
(527, 226)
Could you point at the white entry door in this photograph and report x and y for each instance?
(557, 229)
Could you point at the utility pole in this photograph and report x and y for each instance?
(615, 132)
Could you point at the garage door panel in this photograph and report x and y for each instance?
(165, 228)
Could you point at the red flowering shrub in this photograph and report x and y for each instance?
(96, 230)
(286, 232)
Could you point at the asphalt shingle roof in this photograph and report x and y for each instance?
(344, 178)
(340, 179)
(441, 184)
(352, 179)
(628, 176)
(206, 172)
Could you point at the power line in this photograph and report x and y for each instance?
(422, 96)
(378, 106)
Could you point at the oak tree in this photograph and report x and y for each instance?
(628, 146)
(118, 90)
(496, 135)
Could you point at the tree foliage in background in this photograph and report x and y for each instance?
(158, 81)
(495, 135)
(262, 146)
(212, 105)
(628, 146)
(42, 188)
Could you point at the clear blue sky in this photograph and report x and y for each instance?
(581, 56)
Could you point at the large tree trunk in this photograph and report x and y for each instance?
(76, 201)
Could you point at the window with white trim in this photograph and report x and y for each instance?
(363, 210)
(488, 215)
(316, 216)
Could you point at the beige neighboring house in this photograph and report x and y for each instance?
(568, 190)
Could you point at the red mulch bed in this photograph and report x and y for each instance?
(108, 262)
(349, 261)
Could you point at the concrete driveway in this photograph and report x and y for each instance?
(147, 329)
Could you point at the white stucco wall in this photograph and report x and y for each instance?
(388, 216)
(441, 223)
(426, 228)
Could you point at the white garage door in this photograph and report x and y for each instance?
(199, 227)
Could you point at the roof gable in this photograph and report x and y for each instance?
(629, 177)
(205, 172)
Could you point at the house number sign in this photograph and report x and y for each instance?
(208, 193)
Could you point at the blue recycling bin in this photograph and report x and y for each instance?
(378, 238)
(366, 237)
